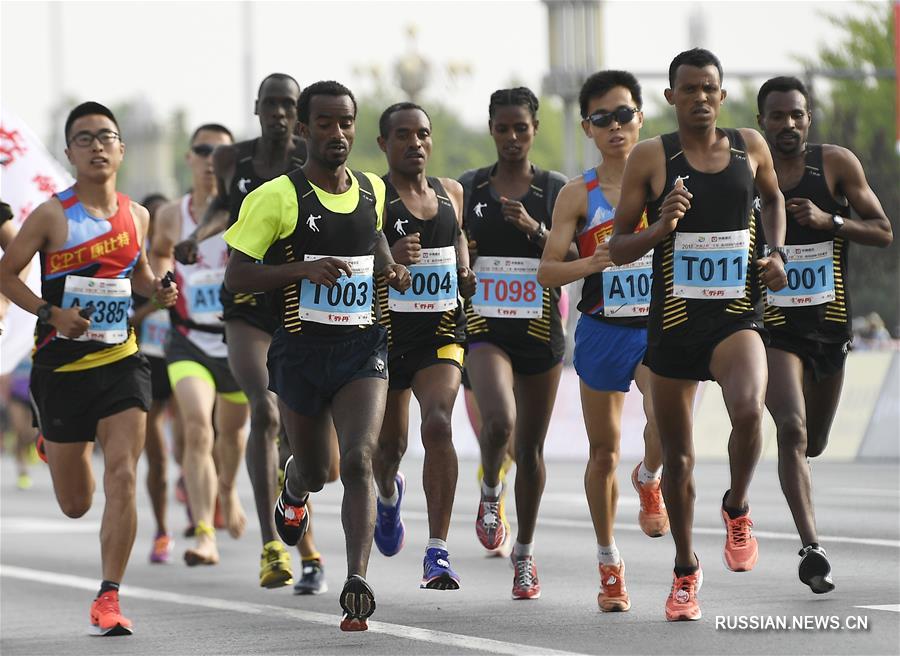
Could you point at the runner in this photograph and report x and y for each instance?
(705, 319)
(426, 335)
(18, 412)
(88, 380)
(515, 332)
(197, 360)
(809, 320)
(611, 337)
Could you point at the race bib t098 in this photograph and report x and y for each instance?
(810, 276)
(626, 288)
(346, 303)
(711, 265)
(203, 301)
(154, 333)
(433, 287)
(508, 288)
(111, 299)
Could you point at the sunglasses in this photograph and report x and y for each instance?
(621, 115)
(203, 150)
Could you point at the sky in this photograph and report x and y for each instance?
(192, 54)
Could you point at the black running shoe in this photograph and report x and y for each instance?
(815, 570)
(358, 603)
(291, 518)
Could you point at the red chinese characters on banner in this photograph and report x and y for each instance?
(11, 146)
(24, 211)
(45, 184)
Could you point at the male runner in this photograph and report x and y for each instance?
(327, 362)
(611, 336)
(426, 333)
(88, 380)
(809, 320)
(705, 321)
(197, 360)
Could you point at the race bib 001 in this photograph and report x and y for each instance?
(202, 295)
(626, 288)
(433, 287)
(508, 288)
(346, 303)
(154, 333)
(711, 265)
(111, 298)
(810, 276)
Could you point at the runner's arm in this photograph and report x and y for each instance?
(873, 228)
(167, 228)
(32, 238)
(771, 199)
(143, 281)
(556, 268)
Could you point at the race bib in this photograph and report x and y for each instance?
(203, 302)
(508, 288)
(111, 298)
(346, 303)
(433, 287)
(810, 276)
(154, 333)
(711, 265)
(626, 288)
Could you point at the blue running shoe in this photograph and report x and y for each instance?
(438, 575)
(389, 530)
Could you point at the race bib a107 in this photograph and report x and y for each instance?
(626, 288)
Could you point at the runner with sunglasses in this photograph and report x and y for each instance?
(516, 340)
(809, 320)
(611, 336)
(705, 322)
(207, 393)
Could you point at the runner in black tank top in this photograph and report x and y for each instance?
(513, 364)
(426, 334)
(705, 322)
(321, 244)
(810, 320)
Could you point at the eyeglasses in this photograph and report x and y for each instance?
(203, 150)
(621, 115)
(85, 139)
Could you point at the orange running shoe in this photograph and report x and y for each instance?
(162, 549)
(613, 596)
(741, 548)
(39, 447)
(106, 618)
(682, 602)
(652, 517)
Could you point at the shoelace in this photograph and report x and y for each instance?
(739, 530)
(651, 500)
(108, 604)
(525, 573)
(614, 588)
(687, 584)
(490, 517)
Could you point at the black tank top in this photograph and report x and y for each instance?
(245, 179)
(827, 322)
(407, 330)
(334, 234)
(721, 202)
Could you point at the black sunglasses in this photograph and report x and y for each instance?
(621, 114)
(203, 150)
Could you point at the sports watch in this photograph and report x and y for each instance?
(45, 312)
(837, 222)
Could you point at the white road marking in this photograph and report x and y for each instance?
(894, 608)
(40, 525)
(397, 630)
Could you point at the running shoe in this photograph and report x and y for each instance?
(613, 596)
(490, 526)
(106, 618)
(741, 548)
(162, 549)
(291, 520)
(39, 447)
(526, 584)
(815, 570)
(24, 482)
(275, 566)
(682, 603)
(437, 574)
(390, 533)
(652, 517)
(312, 582)
(358, 604)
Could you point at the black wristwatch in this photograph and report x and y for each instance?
(45, 312)
(780, 250)
(536, 236)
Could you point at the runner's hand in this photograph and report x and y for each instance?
(600, 260)
(808, 214)
(771, 273)
(325, 271)
(467, 281)
(674, 207)
(407, 250)
(186, 251)
(69, 322)
(164, 296)
(397, 276)
(514, 212)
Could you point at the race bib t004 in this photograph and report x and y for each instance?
(626, 288)
(154, 333)
(202, 294)
(111, 300)
(348, 302)
(810, 276)
(433, 287)
(711, 265)
(508, 288)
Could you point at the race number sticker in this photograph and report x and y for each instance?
(433, 287)
(348, 302)
(810, 276)
(508, 288)
(202, 294)
(711, 265)
(626, 288)
(111, 298)
(154, 333)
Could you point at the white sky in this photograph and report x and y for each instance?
(191, 54)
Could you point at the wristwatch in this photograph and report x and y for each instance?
(837, 222)
(536, 236)
(780, 250)
(45, 312)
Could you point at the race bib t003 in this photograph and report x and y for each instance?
(433, 287)
(711, 265)
(202, 294)
(111, 300)
(154, 333)
(810, 276)
(348, 302)
(626, 288)
(508, 288)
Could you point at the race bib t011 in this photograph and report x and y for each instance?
(202, 295)
(508, 288)
(111, 300)
(626, 288)
(348, 302)
(810, 276)
(434, 284)
(711, 265)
